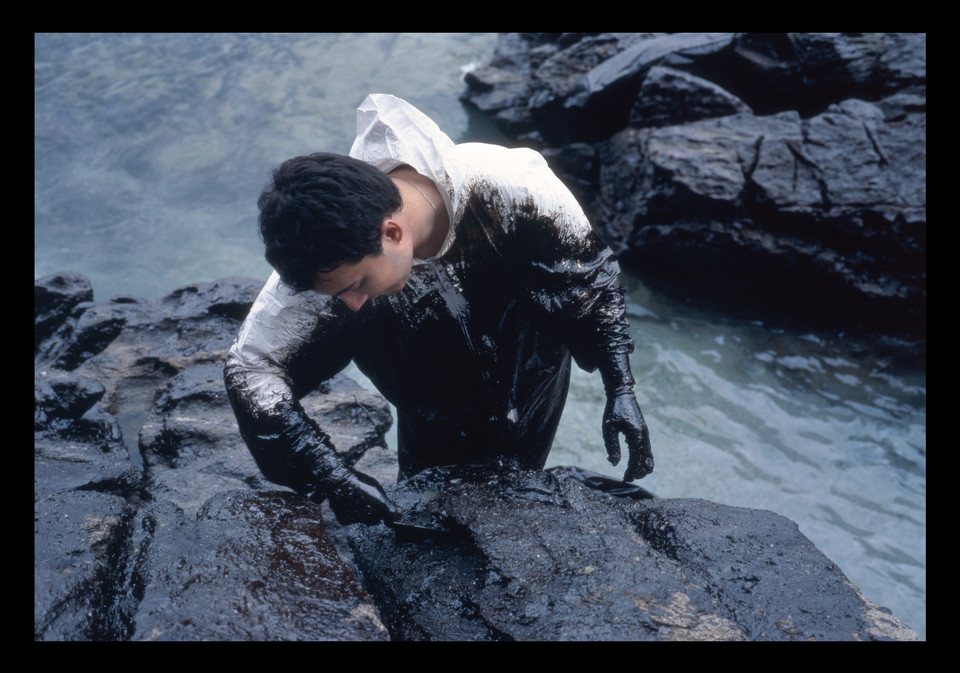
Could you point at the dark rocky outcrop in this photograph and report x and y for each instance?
(152, 522)
(782, 174)
(539, 556)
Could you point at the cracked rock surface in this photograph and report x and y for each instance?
(779, 173)
(152, 522)
(539, 556)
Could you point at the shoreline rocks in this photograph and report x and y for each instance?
(540, 556)
(152, 522)
(778, 174)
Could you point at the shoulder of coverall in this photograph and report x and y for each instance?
(518, 177)
(391, 131)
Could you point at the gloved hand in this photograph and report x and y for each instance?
(622, 415)
(359, 498)
(355, 497)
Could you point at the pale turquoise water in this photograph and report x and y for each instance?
(152, 149)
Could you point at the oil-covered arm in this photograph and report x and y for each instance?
(572, 280)
(287, 345)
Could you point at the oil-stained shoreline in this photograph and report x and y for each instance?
(153, 523)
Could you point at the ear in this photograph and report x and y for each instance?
(391, 230)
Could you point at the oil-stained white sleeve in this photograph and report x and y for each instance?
(287, 345)
(570, 276)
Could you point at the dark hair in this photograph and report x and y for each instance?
(322, 211)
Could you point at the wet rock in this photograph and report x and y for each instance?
(54, 297)
(669, 96)
(539, 556)
(62, 396)
(189, 442)
(781, 175)
(78, 550)
(84, 487)
(192, 449)
(598, 104)
(151, 520)
(250, 566)
(820, 206)
(77, 445)
(89, 329)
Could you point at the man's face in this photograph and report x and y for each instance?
(373, 276)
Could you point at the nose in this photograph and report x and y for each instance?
(354, 300)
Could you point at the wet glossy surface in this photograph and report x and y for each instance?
(538, 556)
(151, 150)
(827, 429)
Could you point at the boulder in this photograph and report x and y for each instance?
(828, 207)
(542, 556)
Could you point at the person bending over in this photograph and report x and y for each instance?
(460, 278)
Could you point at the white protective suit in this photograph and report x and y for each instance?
(474, 352)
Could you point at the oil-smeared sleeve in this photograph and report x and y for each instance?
(569, 275)
(288, 344)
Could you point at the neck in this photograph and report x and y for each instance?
(426, 211)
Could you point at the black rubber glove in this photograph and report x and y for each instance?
(359, 498)
(622, 415)
(354, 497)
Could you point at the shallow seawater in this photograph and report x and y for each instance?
(150, 151)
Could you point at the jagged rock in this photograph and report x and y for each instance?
(151, 520)
(539, 556)
(599, 103)
(829, 207)
(669, 96)
(813, 205)
(583, 90)
(91, 328)
(54, 297)
(62, 396)
(192, 326)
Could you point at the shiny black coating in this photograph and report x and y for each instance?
(603, 483)
(474, 353)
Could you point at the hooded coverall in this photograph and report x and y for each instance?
(474, 352)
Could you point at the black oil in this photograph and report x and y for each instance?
(150, 151)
